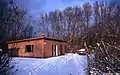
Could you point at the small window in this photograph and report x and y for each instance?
(13, 52)
(61, 50)
(65, 49)
(29, 48)
(53, 50)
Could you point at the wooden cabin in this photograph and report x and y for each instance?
(37, 47)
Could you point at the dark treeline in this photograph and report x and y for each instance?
(14, 24)
(14, 21)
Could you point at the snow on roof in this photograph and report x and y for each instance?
(70, 64)
(82, 50)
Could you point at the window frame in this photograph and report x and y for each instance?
(61, 50)
(65, 49)
(29, 48)
(53, 50)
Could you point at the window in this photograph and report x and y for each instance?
(29, 48)
(53, 50)
(65, 49)
(13, 52)
(61, 50)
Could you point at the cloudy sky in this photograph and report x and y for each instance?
(34, 7)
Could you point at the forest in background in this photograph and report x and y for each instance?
(95, 27)
(89, 26)
(78, 24)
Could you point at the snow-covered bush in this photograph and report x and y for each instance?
(5, 66)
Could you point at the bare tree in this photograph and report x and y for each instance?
(67, 24)
(12, 19)
(107, 47)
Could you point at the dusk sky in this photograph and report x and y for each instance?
(34, 7)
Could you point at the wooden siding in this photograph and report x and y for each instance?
(42, 48)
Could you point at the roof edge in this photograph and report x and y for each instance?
(30, 39)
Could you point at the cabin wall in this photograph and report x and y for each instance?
(42, 48)
(37, 49)
(48, 47)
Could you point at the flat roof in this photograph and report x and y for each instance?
(31, 39)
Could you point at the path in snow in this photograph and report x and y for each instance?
(70, 64)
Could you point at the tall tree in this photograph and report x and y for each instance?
(107, 47)
(12, 19)
(87, 12)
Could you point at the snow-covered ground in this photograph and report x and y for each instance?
(69, 64)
